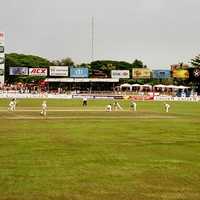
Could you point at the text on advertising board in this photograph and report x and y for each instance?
(18, 71)
(120, 74)
(141, 73)
(180, 73)
(58, 70)
(161, 74)
(79, 72)
(38, 71)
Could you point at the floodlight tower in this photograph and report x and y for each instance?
(92, 40)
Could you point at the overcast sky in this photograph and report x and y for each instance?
(159, 32)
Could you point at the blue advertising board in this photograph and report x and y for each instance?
(18, 71)
(79, 72)
(161, 74)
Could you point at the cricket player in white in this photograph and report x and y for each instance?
(109, 108)
(44, 109)
(119, 107)
(85, 101)
(167, 106)
(133, 106)
(11, 105)
(116, 106)
(14, 104)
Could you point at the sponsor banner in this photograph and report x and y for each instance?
(2, 57)
(99, 74)
(76, 96)
(58, 70)
(1, 49)
(139, 98)
(161, 74)
(194, 73)
(138, 73)
(1, 39)
(170, 98)
(180, 73)
(18, 71)
(81, 80)
(104, 80)
(79, 72)
(1, 72)
(34, 96)
(179, 66)
(120, 74)
(37, 71)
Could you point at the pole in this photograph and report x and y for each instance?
(92, 40)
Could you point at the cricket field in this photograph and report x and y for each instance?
(85, 153)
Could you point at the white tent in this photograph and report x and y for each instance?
(171, 86)
(160, 86)
(147, 85)
(182, 87)
(136, 85)
(126, 85)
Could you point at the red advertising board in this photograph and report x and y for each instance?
(139, 98)
(37, 71)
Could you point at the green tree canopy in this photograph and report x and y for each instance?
(22, 60)
(108, 65)
(196, 61)
(63, 62)
(138, 64)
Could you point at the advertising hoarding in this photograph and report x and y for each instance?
(161, 74)
(18, 71)
(82, 80)
(1, 39)
(142, 73)
(2, 57)
(98, 74)
(79, 72)
(194, 73)
(37, 71)
(179, 66)
(1, 49)
(1, 72)
(58, 70)
(120, 74)
(1, 60)
(180, 73)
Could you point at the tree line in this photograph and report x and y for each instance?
(22, 60)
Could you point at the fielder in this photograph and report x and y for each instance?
(44, 109)
(109, 108)
(12, 105)
(85, 101)
(133, 106)
(167, 106)
(117, 106)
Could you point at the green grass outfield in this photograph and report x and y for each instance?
(87, 154)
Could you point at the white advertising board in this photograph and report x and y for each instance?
(120, 74)
(58, 70)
